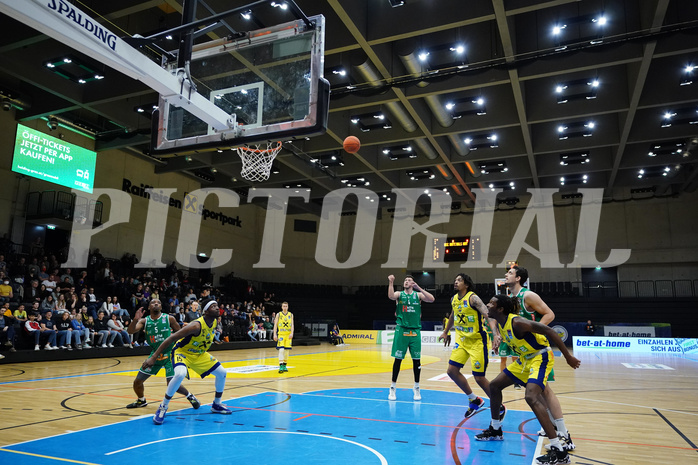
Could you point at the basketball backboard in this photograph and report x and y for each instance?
(270, 79)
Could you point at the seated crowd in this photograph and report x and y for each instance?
(46, 306)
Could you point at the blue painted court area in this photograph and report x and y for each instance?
(356, 425)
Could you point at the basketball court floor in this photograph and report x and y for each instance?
(332, 407)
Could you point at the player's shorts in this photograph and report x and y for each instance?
(473, 348)
(283, 341)
(407, 339)
(506, 351)
(532, 370)
(203, 364)
(165, 361)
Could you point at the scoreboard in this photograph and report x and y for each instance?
(456, 249)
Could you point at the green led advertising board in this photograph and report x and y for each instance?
(45, 157)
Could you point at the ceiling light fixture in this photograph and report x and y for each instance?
(355, 181)
(654, 172)
(505, 185)
(675, 147)
(369, 121)
(575, 129)
(680, 116)
(574, 179)
(687, 78)
(577, 89)
(490, 167)
(398, 152)
(479, 141)
(419, 175)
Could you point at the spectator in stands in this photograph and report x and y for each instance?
(50, 283)
(33, 267)
(81, 334)
(20, 315)
(91, 296)
(60, 302)
(64, 286)
(43, 275)
(32, 292)
(190, 296)
(590, 328)
(65, 332)
(193, 312)
(116, 308)
(218, 332)
(108, 307)
(174, 304)
(82, 281)
(33, 329)
(90, 326)
(48, 304)
(117, 326)
(67, 276)
(48, 331)
(268, 328)
(6, 293)
(181, 316)
(106, 337)
(252, 330)
(7, 331)
(3, 264)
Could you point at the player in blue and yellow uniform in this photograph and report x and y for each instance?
(529, 339)
(532, 307)
(283, 335)
(469, 316)
(158, 326)
(190, 352)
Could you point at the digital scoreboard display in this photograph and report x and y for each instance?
(46, 157)
(457, 249)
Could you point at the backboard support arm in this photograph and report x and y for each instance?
(67, 24)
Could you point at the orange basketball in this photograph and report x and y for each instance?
(352, 144)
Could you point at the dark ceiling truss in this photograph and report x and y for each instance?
(508, 57)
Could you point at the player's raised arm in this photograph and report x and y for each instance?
(424, 295)
(137, 323)
(392, 295)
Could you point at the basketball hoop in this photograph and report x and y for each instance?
(256, 160)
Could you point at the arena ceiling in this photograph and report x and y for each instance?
(501, 100)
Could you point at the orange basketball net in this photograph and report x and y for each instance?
(256, 160)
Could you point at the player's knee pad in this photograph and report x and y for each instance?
(180, 372)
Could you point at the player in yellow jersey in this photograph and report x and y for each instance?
(469, 317)
(190, 352)
(532, 307)
(283, 335)
(530, 341)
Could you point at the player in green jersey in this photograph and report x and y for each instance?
(532, 307)
(158, 326)
(408, 335)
